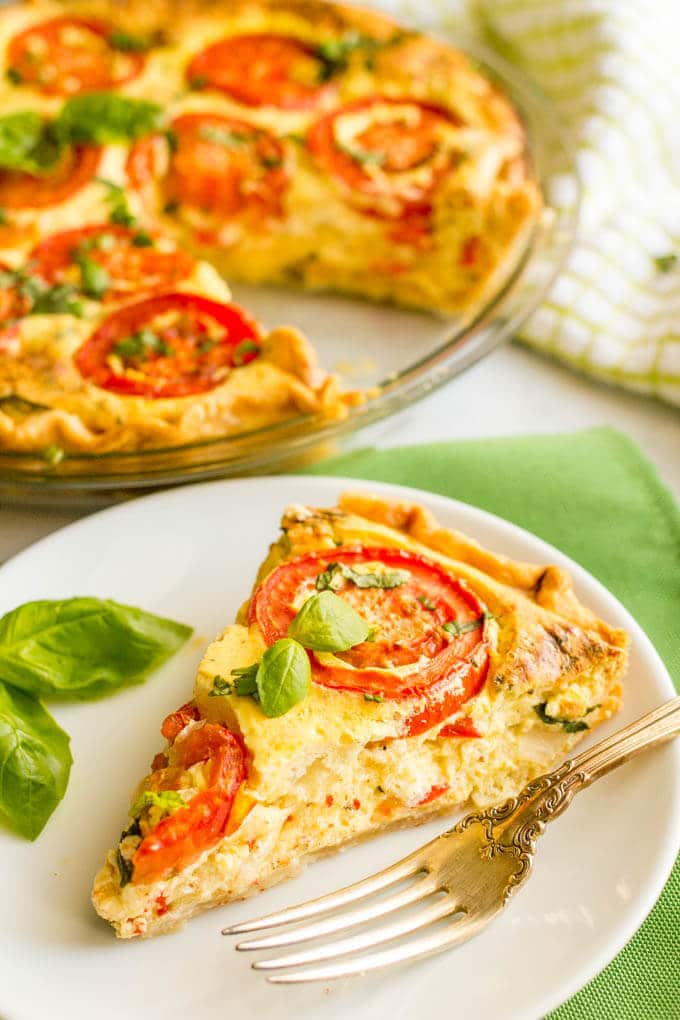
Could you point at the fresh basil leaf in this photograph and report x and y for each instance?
(168, 801)
(83, 648)
(568, 725)
(284, 677)
(28, 143)
(35, 761)
(326, 623)
(106, 117)
(390, 579)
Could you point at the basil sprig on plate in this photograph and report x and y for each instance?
(80, 648)
(35, 762)
(282, 678)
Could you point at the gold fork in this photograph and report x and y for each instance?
(475, 867)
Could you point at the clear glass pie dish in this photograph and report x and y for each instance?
(399, 356)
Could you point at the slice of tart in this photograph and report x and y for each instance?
(384, 669)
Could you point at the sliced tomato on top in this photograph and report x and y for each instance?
(171, 345)
(65, 55)
(262, 69)
(178, 840)
(387, 154)
(217, 165)
(134, 260)
(76, 167)
(431, 623)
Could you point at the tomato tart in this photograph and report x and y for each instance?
(148, 149)
(384, 669)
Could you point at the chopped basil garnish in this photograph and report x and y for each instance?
(225, 136)
(426, 603)
(119, 210)
(14, 76)
(327, 581)
(455, 628)
(364, 156)
(141, 344)
(326, 623)
(94, 280)
(42, 299)
(244, 683)
(142, 240)
(199, 81)
(335, 54)
(128, 43)
(168, 801)
(374, 697)
(665, 263)
(125, 869)
(568, 725)
(244, 348)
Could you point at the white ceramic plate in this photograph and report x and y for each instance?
(192, 553)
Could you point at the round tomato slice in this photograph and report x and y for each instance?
(64, 56)
(430, 622)
(135, 261)
(75, 169)
(262, 70)
(388, 154)
(178, 840)
(171, 345)
(215, 164)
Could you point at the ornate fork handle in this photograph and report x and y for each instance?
(512, 829)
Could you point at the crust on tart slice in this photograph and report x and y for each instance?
(340, 766)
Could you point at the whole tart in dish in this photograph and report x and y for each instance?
(295, 142)
(473, 674)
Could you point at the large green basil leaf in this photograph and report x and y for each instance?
(35, 761)
(83, 647)
(326, 623)
(27, 143)
(284, 677)
(105, 117)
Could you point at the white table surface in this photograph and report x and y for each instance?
(511, 391)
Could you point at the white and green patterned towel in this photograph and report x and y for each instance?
(612, 69)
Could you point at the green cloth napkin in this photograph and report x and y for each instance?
(594, 496)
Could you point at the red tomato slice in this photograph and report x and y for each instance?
(178, 840)
(74, 170)
(174, 723)
(408, 620)
(374, 168)
(262, 70)
(215, 164)
(132, 269)
(64, 56)
(171, 345)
